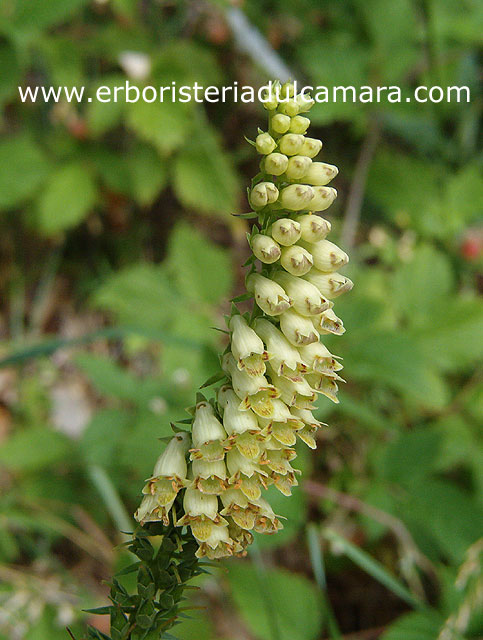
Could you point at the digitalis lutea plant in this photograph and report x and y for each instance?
(205, 496)
(241, 440)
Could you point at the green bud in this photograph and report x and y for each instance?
(280, 123)
(320, 173)
(269, 100)
(265, 143)
(298, 167)
(290, 108)
(285, 231)
(323, 198)
(305, 102)
(310, 147)
(313, 228)
(265, 248)
(296, 260)
(262, 194)
(287, 90)
(290, 144)
(274, 163)
(297, 196)
(299, 124)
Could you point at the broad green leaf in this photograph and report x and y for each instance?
(412, 456)
(112, 380)
(294, 599)
(34, 448)
(147, 174)
(101, 436)
(103, 116)
(24, 168)
(446, 513)
(395, 360)
(34, 15)
(11, 75)
(166, 125)
(201, 270)
(421, 284)
(139, 294)
(69, 195)
(419, 625)
(204, 177)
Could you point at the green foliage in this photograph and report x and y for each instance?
(288, 597)
(137, 200)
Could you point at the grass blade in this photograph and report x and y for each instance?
(373, 568)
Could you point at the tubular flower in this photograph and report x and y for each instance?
(275, 366)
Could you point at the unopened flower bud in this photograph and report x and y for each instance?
(290, 108)
(287, 90)
(299, 124)
(264, 143)
(285, 231)
(297, 196)
(262, 194)
(330, 285)
(320, 173)
(327, 256)
(269, 295)
(280, 123)
(296, 260)
(269, 100)
(291, 143)
(323, 198)
(306, 298)
(265, 248)
(298, 330)
(310, 147)
(313, 228)
(275, 164)
(297, 167)
(305, 102)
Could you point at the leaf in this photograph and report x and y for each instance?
(68, 197)
(204, 177)
(147, 174)
(166, 125)
(34, 448)
(24, 168)
(38, 14)
(102, 116)
(11, 75)
(418, 625)
(412, 456)
(200, 269)
(112, 380)
(294, 600)
(396, 360)
(101, 436)
(421, 284)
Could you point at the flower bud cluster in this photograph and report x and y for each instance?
(275, 366)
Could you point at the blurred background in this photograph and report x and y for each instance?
(118, 253)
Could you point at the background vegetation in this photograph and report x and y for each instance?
(118, 253)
